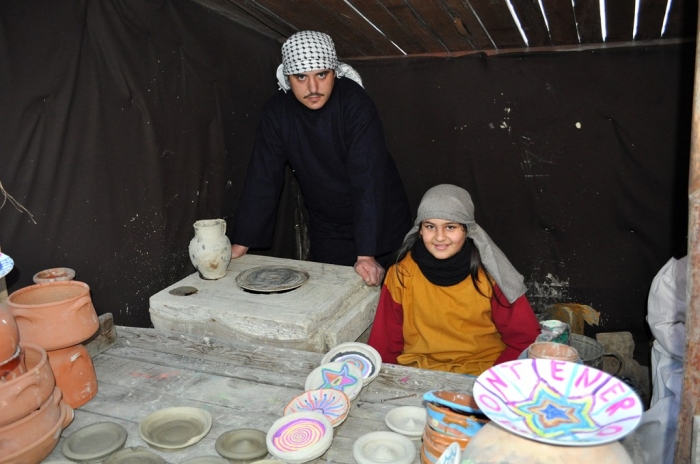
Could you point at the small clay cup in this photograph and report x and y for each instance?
(13, 367)
(25, 394)
(75, 374)
(29, 429)
(552, 350)
(36, 451)
(9, 334)
(54, 315)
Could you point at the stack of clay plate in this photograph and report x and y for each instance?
(59, 316)
(32, 412)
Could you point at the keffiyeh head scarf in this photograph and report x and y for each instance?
(452, 203)
(310, 50)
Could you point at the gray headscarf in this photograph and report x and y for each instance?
(453, 203)
(310, 50)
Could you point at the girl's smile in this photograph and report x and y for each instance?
(442, 238)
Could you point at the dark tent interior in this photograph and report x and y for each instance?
(122, 122)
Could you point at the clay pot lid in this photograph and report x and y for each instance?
(269, 279)
(383, 447)
(94, 442)
(364, 356)
(54, 274)
(175, 427)
(206, 460)
(451, 455)
(454, 400)
(241, 444)
(407, 420)
(6, 265)
(343, 376)
(138, 454)
(332, 403)
(299, 437)
(562, 403)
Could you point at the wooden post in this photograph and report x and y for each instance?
(690, 395)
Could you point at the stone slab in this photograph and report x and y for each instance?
(334, 306)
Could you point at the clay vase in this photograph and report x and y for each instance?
(26, 393)
(54, 315)
(29, 429)
(9, 334)
(495, 444)
(75, 374)
(210, 248)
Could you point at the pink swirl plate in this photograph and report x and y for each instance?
(299, 437)
(334, 404)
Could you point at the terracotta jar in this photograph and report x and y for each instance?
(75, 374)
(552, 350)
(9, 334)
(26, 393)
(36, 451)
(210, 249)
(29, 429)
(54, 315)
(495, 444)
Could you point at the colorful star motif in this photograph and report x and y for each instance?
(549, 414)
(338, 380)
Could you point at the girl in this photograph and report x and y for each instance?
(452, 302)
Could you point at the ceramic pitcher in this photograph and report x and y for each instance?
(210, 249)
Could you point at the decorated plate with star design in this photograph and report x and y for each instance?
(344, 376)
(558, 402)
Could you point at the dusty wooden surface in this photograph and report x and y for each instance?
(240, 384)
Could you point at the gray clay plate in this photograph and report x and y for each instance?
(94, 442)
(270, 279)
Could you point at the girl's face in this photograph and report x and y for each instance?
(442, 238)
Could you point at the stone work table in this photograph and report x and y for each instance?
(242, 385)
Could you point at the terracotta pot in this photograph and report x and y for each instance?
(36, 451)
(9, 334)
(25, 394)
(53, 274)
(54, 315)
(551, 350)
(75, 374)
(451, 423)
(13, 367)
(495, 444)
(29, 429)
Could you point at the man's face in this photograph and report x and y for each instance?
(313, 88)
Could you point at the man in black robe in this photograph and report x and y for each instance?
(328, 130)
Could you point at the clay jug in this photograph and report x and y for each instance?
(210, 249)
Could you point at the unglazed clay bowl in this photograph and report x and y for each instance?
(551, 350)
(29, 429)
(13, 367)
(448, 422)
(54, 315)
(54, 274)
(36, 451)
(75, 374)
(26, 393)
(9, 334)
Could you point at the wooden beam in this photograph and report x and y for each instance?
(650, 19)
(619, 20)
(690, 394)
(532, 22)
(561, 21)
(587, 14)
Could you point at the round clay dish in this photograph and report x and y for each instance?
(332, 403)
(343, 376)
(383, 447)
(175, 428)
(6, 264)
(407, 420)
(241, 444)
(299, 437)
(451, 455)
(135, 454)
(94, 442)
(364, 356)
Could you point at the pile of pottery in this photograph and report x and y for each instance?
(452, 418)
(32, 411)
(59, 316)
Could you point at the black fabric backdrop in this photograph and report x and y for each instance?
(124, 121)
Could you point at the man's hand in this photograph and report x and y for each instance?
(238, 250)
(370, 270)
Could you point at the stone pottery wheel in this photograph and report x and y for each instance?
(268, 279)
(241, 444)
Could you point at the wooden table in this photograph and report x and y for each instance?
(242, 385)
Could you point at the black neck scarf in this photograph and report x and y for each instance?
(443, 272)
